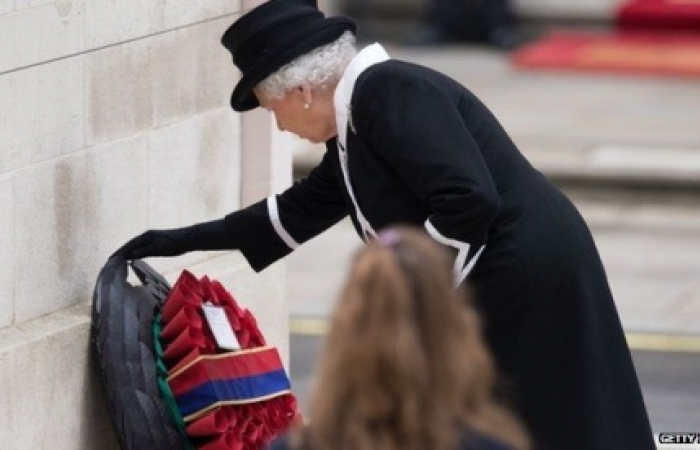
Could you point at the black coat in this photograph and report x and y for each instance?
(423, 150)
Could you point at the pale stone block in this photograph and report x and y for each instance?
(111, 22)
(192, 72)
(265, 173)
(118, 171)
(41, 33)
(178, 14)
(194, 170)
(194, 176)
(6, 6)
(176, 69)
(118, 90)
(50, 393)
(281, 159)
(41, 113)
(217, 73)
(256, 165)
(7, 218)
(70, 214)
(137, 85)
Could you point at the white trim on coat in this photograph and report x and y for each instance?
(367, 57)
(274, 214)
(461, 267)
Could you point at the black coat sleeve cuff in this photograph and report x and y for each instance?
(255, 236)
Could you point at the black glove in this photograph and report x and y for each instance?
(203, 236)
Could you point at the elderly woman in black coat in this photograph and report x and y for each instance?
(408, 145)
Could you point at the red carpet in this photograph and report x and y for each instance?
(662, 15)
(651, 37)
(644, 53)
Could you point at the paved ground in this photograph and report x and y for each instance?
(627, 151)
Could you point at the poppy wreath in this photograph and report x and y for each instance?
(221, 399)
(166, 383)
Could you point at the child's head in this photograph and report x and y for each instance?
(404, 362)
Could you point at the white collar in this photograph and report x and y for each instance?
(367, 57)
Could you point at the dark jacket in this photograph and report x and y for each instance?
(422, 149)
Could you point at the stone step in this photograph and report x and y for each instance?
(636, 167)
(556, 10)
(629, 168)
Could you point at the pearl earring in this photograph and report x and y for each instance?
(307, 106)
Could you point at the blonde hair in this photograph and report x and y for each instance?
(404, 366)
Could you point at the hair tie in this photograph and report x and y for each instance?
(389, 238)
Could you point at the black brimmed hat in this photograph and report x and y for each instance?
(272, 35)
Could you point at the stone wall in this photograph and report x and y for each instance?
(114, 118)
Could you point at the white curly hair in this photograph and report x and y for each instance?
(320, 68)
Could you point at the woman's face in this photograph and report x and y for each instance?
(315, 123)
